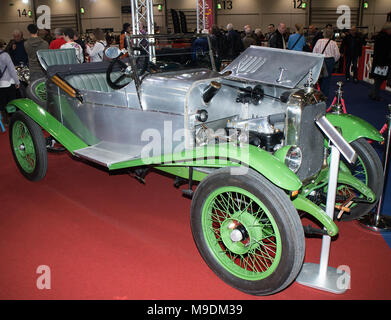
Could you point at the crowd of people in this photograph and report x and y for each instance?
(227, 45)
(20, 51)
(90, 49)
(230, 43)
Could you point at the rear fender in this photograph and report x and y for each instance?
(46, 121)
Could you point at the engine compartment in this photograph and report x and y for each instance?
(239, 111)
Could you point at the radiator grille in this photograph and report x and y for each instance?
(311, 141)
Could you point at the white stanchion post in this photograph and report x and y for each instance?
(330, 206)
(321, 276)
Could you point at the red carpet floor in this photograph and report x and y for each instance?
(109, 237)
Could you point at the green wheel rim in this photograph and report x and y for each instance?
(23, 146)
(358, 171)
(40, 91)
(229, 210)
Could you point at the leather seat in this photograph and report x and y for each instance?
(92, 81)
(49, 57)
(95, 81)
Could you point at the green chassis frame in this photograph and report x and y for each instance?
(226, 155)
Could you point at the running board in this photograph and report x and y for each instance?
(108, 153)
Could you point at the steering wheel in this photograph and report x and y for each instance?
(126, 70)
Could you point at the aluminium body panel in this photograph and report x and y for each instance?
(284, 68)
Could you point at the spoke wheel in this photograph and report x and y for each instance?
(242, 233)
(40, 90)
(28, 146)
(36, 91)
(248, 232)
(369, 170)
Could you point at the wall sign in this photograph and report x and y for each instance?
(24, 13)
(224, 5)
(299, 4)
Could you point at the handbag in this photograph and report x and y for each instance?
(323, 72)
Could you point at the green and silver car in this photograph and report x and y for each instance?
(243, 142)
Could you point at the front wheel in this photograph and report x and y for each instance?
(28, 146)
(247, 231)
(369, 169)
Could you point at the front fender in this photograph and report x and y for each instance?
(353, 127)
(45, 120)
(303, 204)
(225, 155)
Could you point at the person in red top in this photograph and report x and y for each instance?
(59, 41)
(125, 29)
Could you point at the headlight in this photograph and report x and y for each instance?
(293, 159)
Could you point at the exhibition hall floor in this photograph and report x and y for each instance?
(109, 237)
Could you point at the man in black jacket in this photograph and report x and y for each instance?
(16, 50)
(277, 38)
(270, 30)
(351, 47)
(234, 42)
(381, 65)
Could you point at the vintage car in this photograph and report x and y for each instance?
(244, 142)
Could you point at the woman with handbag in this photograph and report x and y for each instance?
(330, 49)
(381, 61)
(297, 40)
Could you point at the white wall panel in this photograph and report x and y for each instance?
(258, 13)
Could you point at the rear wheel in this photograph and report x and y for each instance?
(28, 146)
(36, 91)
(248, 232)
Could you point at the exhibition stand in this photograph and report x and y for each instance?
(321, 276)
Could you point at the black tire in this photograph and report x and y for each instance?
(374, 169)
(22, 90)
(281, 211)
(33, 92)
(35, 154)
